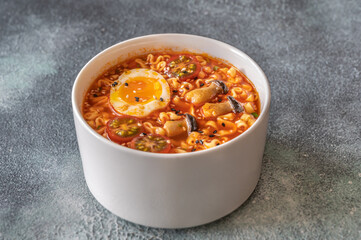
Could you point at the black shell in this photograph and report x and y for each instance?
(236, 106)
(222, 85)
(191, 123)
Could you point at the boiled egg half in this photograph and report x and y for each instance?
(138, 92)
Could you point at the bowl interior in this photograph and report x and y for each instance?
(168, 42)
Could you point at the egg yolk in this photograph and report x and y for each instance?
(140, 90)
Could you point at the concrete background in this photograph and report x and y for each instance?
(310, 186)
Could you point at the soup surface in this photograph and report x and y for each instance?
(171, 103)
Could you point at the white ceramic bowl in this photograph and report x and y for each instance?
(171, 190)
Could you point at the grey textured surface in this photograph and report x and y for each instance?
(310, 186)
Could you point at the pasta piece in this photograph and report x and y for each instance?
(213, 143)
(232, 72)
(224, 139)
(229, 116)
(234, 80)
(100, 129)
(141, 63)
(248, 107)
(201, 74)
(214, 76)
(179, 150)
(208, 130)
(250, 98)
(100, 121)
(153, 129)
(212, 124)
(173, 82)
(245, 117)
(157, 64)
(185, 87)
(251, 121)
(106, 116)
(201, 60)
(104, 82)
(207, 69)
(248, 118)
(183, 105)
(114, 77)
(241, 125)
(184, 145)
(166, 116)
(91, 115)
(238, 92)
(223, 70)
(150, 59)
(200, 83)
(230, 126)
(160, 66)
(160, 131)
(192, 138)
(247, 87)
(101, 100)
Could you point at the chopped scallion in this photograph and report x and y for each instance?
(255, 115)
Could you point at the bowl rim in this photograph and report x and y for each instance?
(250, 130)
